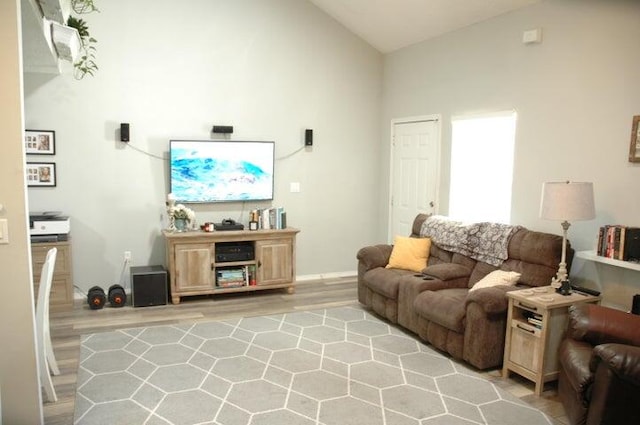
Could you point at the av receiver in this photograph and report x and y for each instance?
(226, 252)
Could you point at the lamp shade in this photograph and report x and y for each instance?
(567, 201)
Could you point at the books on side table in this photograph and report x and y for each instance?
(534, 319)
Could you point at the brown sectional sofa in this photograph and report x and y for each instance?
(467, 325)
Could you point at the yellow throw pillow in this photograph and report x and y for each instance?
(409, 253)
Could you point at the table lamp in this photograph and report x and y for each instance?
(564, 201)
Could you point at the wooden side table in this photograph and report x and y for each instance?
(536, 322)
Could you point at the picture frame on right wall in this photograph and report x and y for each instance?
(634, 146)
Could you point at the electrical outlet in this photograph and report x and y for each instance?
(127, 256)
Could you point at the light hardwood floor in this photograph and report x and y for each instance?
(67, 327)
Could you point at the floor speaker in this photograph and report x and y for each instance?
(148, 286)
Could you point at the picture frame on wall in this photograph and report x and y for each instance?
(41, 174)
(40, 142)
(634, 147)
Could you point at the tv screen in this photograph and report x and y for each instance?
(221, 171)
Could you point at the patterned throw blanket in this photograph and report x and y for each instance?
(484, 241)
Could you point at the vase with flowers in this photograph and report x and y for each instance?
(181, 218)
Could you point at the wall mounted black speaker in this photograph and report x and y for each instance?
(124, 132)
(224, 129)
(308, 137)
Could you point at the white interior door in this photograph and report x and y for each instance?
(415, 163)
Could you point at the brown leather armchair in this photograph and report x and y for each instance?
(599, 381)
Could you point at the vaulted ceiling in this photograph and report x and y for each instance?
(389, 25)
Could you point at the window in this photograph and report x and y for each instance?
(482, 167)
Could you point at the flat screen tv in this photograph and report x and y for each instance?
(221, 171)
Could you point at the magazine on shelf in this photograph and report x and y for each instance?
(535, 322)
(232, 277)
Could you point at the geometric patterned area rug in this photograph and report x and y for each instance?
(340, 366)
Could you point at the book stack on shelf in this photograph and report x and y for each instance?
(231, 277)
(234, 277)
(533, 319)
(269, 218)
(618, 242)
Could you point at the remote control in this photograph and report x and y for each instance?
(585, 290)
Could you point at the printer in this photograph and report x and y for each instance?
(49, 226)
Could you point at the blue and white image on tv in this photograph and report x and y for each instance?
(221, 171)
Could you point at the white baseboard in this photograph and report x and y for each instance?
(333, 275)
(300, 279)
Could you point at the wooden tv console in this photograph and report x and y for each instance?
(195, 270)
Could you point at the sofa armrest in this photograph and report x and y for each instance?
(574, 357)
(623, 360)
(374, 256)
(493, 300)
(485, 326)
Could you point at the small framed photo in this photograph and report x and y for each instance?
(41, 174)
(634, 147)
(40, 142)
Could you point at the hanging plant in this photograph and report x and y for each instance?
(83, 6)
(86, 65)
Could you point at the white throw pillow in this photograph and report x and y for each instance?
(495, 278)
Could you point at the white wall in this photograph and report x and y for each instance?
(21, 401)
(575, 95)
(172, 70)
(273, 68)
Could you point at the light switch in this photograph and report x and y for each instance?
(532, 36)
(4, 231)
(294, 187)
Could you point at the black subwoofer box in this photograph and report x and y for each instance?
(148, 286)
